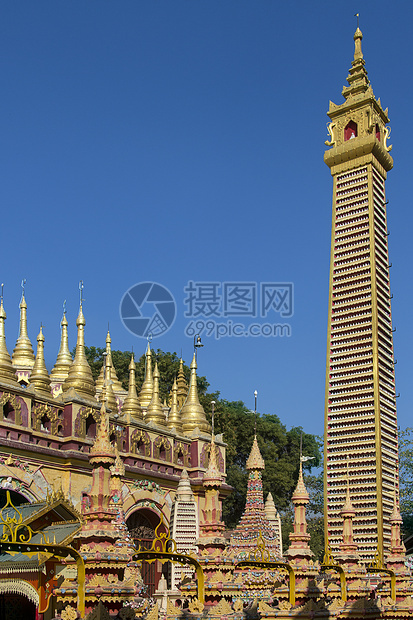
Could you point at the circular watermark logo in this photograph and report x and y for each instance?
(147, 308)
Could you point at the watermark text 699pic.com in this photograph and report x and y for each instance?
(231, 329)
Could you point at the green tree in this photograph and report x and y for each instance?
(406, 479)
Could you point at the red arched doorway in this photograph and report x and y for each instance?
(141, 525)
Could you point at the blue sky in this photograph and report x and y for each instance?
(175, 141)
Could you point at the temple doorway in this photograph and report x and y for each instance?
(141, 525)
(16, 607)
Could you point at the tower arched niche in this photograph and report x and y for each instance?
(350, 130)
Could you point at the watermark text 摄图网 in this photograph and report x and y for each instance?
(231, 329)
(243, 299)
(213, 306)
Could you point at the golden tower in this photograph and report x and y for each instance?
(360, 409)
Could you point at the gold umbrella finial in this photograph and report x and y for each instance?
(81, 287)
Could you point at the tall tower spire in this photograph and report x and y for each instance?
(192, 412)
(360, 409)
(80, 375)
(39, 378)
(211, 523)
(7, 374)
(23, 355)
(145, 395)
(64, 359)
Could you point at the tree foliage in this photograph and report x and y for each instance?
(406, 478)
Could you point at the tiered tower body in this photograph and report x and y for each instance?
(360, 410)
(254, 523)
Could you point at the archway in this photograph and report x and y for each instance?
(18, 600)
(141, 525)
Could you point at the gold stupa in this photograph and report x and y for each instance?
(23, 355)
(192, 412)
(80, 375)
(145, 395)
(39, 378)
(64, 359)
(131, 406)
(155, 411)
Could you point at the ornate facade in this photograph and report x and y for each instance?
(49, 424)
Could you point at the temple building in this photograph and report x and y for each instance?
(49, 423)
(360, 407)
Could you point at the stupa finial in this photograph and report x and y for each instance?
(358, 36)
